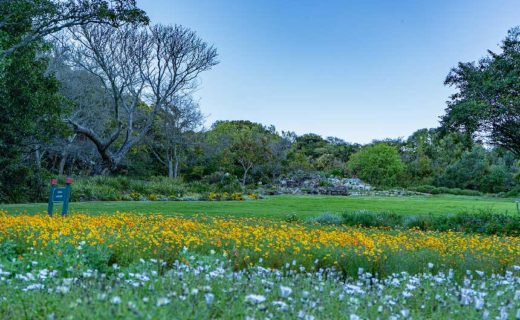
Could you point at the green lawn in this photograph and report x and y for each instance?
(303, 206)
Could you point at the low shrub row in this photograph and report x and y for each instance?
(121, 188)
(482, 222)
(443, 190)
(226, 196)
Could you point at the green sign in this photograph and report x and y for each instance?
(59, 194)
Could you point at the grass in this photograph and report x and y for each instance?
(282, 206)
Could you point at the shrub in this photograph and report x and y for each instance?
(136, 196)
(237, 196)
(444, 190)
(213, 196)
(379, 164)
(198, 187)
(167, 186)
(480, 222)
(326, 218)
(371, 219)
(291, 217)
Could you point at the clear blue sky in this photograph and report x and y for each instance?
(358, 70)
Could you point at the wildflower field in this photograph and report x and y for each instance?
(129, 265)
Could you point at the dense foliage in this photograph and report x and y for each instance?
(488, 100)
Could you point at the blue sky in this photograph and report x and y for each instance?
(357, 70)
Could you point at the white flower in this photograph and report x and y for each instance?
(62, 289)
(115, 300)
(405, 313)
(430, 265)
(354, 317)
(209, 297)
(36, 286)
(285, 291)
(479, 304)
(255, 298)
(282, 306)
(163, 301)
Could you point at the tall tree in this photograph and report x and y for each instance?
(171, 135)
(487, 103)
(142, 69)
(29, 112)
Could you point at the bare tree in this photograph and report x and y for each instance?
(171, 137)
(142, 69)
(86, 100)
(51, 16)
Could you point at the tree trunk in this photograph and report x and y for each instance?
(176, 168)
(171, 172)
(177, 160)
(244, 177)
(38, 157)
(63, 161)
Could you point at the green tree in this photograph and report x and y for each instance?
(50, 16)
(468, 172)
(244, 145)
(29, 112)
(487, 101)
(378, 164)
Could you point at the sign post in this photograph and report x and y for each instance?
(59, 194)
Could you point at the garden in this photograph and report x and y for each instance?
(173, 195)
(127, 265)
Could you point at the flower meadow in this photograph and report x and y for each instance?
(154, 266)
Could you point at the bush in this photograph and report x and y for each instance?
(237, 196)
(326, 218)
(371, 219)
(93, 191)
(481, 222)
(444, 190)
(379, 164)
(136, 196)
(253, 196)
(198, 187)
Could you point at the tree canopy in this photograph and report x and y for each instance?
(487, 101)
